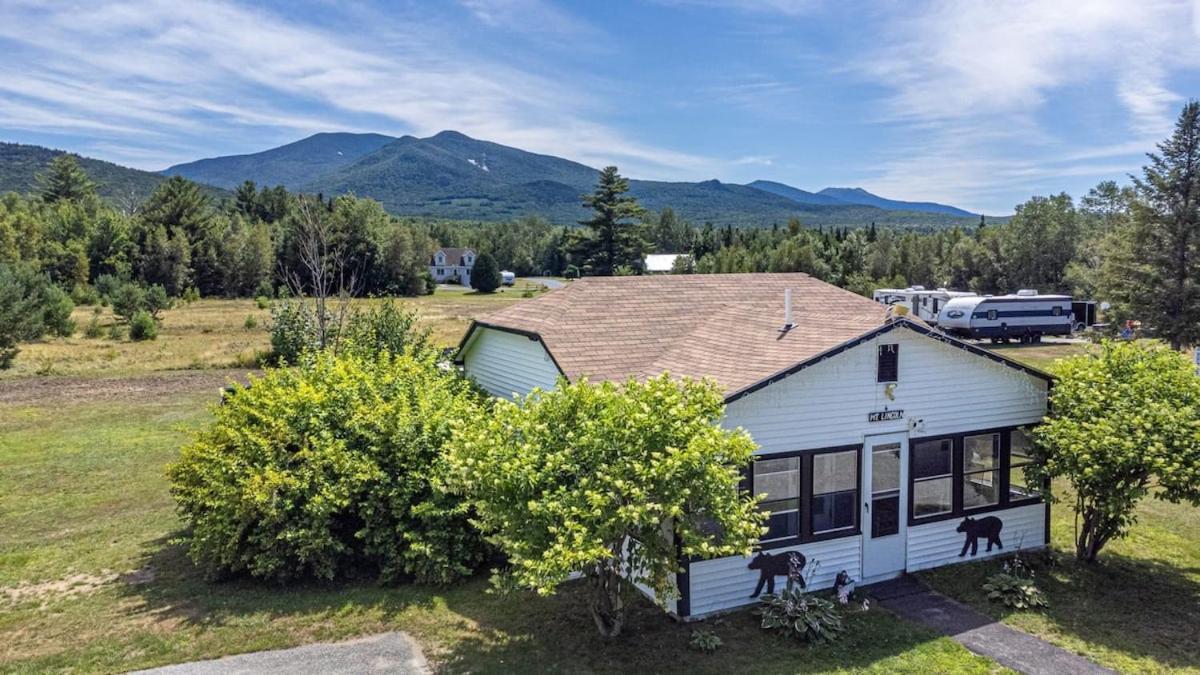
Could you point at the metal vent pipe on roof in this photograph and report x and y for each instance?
(787, 309)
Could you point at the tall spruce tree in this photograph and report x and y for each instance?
(1157, 281)
(615, 235)
(64, 179)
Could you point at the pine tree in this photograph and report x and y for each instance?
(64, 179)
(614, 234)
(485, 276)
(1157, 283)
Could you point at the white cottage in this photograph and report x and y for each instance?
(885, 446)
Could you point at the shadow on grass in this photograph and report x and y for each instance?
(1139, 607)
(466, 629)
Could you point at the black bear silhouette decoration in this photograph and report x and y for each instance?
(984, 527)
(790, 565)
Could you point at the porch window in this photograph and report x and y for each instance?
(779, 480)
(981, 470)
(834, 491)
(888, 366)
(1020, 443)
(932, 477)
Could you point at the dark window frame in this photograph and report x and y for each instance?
(805, 535)
(887, 373)
(958, 510)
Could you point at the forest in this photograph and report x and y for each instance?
(1133, 245)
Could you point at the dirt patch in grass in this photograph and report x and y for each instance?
(73, 585)
(69, 390)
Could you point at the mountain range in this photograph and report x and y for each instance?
(450, 175)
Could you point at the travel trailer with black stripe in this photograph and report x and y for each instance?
(1025, 316)
(923, 303)
(884, 446)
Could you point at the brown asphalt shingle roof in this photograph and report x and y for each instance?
(722, 326)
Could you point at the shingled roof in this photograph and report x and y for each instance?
(722, 326)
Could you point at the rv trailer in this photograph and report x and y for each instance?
(1024, 315)
(925, 304)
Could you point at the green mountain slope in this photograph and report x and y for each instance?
(291, 165)
(20, 164)
(861, 196)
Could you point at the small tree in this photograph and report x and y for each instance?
(22, 315)
(615, 481)
(1125, 423)
(485, 277)
(64, 179)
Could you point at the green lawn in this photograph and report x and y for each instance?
(1137, 610)
(90, 581)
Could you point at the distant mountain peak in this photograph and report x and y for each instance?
(857, 195)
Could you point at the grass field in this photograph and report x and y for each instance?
(214, 334)
(91, 581)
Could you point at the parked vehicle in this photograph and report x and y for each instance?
(1083, 315)
(508, 278)
(1024, 315)
(922, 303)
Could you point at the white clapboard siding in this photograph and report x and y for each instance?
(505, 363)
(938, 544)
(725, 583)
(942, 389)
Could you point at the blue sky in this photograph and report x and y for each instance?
(979, 104)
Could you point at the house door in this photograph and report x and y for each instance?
(885, 484)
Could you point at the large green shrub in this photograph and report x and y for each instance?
(384, 326)
(486, 277)
(142, 326)
(328, 469)
(22, 315)
(293, 331)
(56, 311)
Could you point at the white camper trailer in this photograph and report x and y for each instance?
(1025, 316)
(925, 304)
(507, 278)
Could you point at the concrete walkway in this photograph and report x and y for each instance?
(386, 653)
(981, 634)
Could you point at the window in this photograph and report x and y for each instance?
(885, 490)
(889, 363)
(981, 471)
(779, 480)
(834, 491)
(992, 315)
(933, 477)
(958, 475)
(1020, 443)
(1057, 311)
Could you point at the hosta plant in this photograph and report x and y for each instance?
(805, 617)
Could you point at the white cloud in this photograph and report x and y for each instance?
(968, 80)
(131, 73)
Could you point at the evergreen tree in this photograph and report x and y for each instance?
(485, 276)
(614, 235)
(65, 180)
(1157, 283)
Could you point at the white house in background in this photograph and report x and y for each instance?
(452, 265)
(662, 263)
(884, 447)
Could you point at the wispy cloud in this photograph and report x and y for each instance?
(212, 72)
(970, 79)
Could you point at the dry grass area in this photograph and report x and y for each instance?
(215, 334)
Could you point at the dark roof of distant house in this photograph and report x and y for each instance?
(454, 256)
(726, 327)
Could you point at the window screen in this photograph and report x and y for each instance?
(933, 477)
(889, 363)
(834, 490)
(779, 480)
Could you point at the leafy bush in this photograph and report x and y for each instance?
(142, 326)
(83, 294)
(21, 309)
(328, 470)
(127, 299)
(263, 301)
(571, 272)
(802, 616)
(386, 326)
(56, 311)
(251, 322)
(706, 641)
(93, 329)
(192, 294)
(116, 331)
(264, 290)
(157, 300)
(565, 479)
(430, 282)
(106, 285)
(293, 331)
